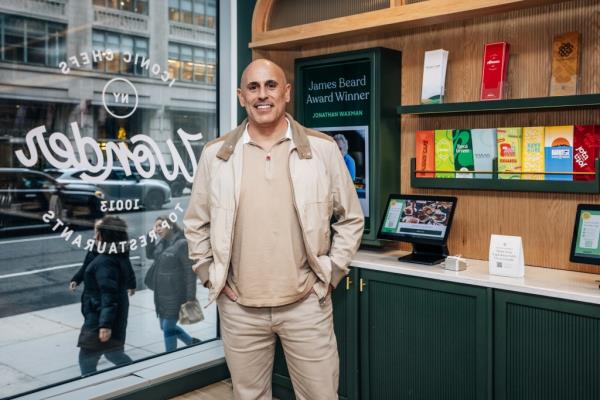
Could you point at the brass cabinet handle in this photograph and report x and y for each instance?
(362, 284)
(348, 282)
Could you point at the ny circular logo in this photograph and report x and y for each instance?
(120, 98)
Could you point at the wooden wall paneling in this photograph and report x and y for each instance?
(544, 220)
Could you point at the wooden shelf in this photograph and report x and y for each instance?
(408, 16)
(514, 185)
(577, 101)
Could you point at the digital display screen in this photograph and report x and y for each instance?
(585, 247)
(353, 142)
(418, 217)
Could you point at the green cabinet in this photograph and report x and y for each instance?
(545, 348)
(419, 339)
(423, 338)
(345, 306)
(404, 337)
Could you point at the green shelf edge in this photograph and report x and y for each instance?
(506, 184)
(576, 101)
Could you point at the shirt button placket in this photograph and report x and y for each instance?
(268, 162)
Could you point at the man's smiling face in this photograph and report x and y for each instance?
(264, 92)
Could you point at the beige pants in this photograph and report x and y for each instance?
(305, 329)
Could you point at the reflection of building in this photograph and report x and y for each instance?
(148, 40)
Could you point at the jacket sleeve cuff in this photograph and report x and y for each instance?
(337, 274)
(321, 289)
(201, 271)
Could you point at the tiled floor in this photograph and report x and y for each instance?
(218, 391)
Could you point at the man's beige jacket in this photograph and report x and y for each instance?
(321, 187)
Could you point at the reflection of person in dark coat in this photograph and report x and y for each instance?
(127, 271)
(104, 304)
(174, 282)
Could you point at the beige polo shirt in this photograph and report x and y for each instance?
(268, 264)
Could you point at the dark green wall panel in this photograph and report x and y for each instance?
(546, 349)
(424, 339)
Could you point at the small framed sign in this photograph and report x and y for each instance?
(506, 256)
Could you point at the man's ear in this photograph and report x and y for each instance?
(241, 98)
(288, 92)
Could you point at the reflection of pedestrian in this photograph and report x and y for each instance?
(174, 282)
(128, 275)
(342, 143)
(104, 302)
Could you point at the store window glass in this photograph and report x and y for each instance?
(100, 136)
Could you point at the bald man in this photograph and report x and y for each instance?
(260, 233)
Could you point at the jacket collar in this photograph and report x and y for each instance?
(298, 137)
(247, 139)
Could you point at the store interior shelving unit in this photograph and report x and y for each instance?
(512, 185)
(507, 105)
(535, 103)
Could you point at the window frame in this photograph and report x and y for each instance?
(59, 35)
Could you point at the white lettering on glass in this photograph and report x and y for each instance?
(61, 154)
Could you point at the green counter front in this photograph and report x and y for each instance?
(420, 332)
